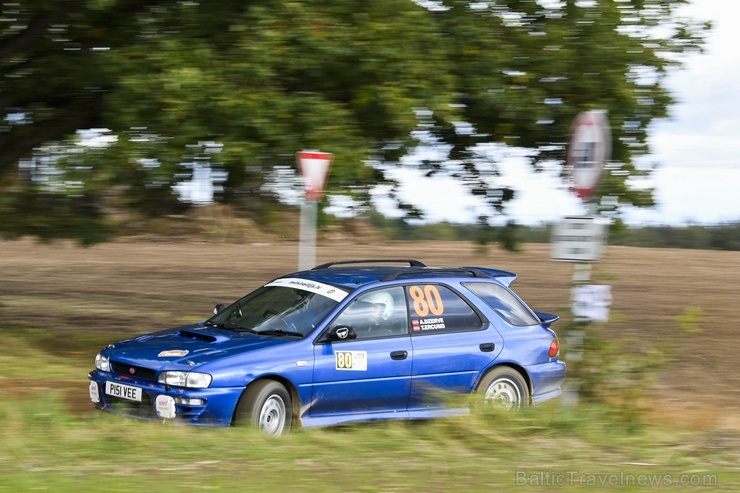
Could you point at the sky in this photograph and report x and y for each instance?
(697, 149)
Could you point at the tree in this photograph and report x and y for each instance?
(525, 71)
(239, 87)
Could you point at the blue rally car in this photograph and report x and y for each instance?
(345, 341)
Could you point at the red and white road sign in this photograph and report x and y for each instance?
(588, 150)
(314, 168)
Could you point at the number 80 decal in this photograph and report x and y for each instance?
(351, 360)
(426, 300)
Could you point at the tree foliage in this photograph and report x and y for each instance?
(723, 236)
(238, 87)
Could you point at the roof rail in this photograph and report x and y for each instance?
(438, 270)
(411, 262)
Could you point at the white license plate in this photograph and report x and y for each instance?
(123, 391)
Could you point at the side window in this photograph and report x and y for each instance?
(504, 303)
(436, 308)
(379, 313)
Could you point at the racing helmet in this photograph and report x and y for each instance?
(384, 298)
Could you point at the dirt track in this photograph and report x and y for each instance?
(122, 288)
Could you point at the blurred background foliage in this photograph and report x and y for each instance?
(109, 106)
(725, 236)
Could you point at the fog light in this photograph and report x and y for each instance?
(165, 406)
(94, 393)
(189, 402)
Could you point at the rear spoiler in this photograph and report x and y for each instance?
(547, 319)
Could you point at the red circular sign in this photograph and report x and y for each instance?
(588, 150)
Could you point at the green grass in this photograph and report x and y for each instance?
(542, 449)
(45, 445)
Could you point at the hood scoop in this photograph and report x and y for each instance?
(200, 336)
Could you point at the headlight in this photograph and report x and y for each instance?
(102, 363)
(189, 379)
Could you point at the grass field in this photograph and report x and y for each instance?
(59, 304)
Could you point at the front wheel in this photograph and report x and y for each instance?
(503, 388)
(266, 406)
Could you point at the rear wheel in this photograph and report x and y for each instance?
(265, 406)
(503, 388)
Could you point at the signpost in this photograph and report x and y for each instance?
(314, 168)
(581, 239)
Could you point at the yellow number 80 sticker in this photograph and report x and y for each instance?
(351, 360)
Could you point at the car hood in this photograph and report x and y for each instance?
(189, 347)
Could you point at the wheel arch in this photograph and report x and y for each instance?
(518, 368)
(295, 400)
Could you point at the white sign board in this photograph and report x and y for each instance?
(591, 302)
(588, 150)
(578, 239)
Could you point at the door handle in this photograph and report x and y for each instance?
(399, 355)
(487, 347)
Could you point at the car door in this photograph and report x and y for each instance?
(368, 374)
(451, 344)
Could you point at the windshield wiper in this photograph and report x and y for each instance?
(278, 332)
(231, 326)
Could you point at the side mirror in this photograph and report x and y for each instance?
(342, 333)
(218, 308)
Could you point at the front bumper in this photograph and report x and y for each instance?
(156, 401)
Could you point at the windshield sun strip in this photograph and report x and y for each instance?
(320, 288)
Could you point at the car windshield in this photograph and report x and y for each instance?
(275, 310)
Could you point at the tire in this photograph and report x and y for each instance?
(265, 406)
(502, 388)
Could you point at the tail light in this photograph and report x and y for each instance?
(554, 350)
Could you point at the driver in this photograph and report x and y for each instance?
(381, 308)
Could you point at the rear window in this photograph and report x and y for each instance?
(504, 303)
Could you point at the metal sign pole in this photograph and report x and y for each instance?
(575, 334)
(307, 242)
